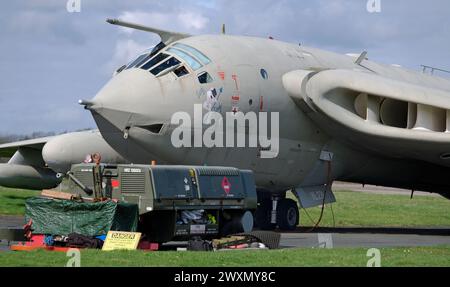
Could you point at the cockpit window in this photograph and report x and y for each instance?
(193, 63)
(144, 57)
(161, 63)
(135, 62)
(181, 71)
(205, 78)
(158, 58)
(196, 53)
(165, 65)
(157, 48)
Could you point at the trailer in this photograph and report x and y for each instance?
(175, 202)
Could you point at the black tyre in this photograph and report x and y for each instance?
(231, 227)
(287, 214)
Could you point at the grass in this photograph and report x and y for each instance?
(356, 209)
(12, 201)
(353, 209)
(301, 257)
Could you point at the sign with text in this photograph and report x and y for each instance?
(118, 240)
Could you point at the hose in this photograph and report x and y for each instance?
(329, 182)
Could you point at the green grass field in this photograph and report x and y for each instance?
(353, 209)
(307, 257)
(356, 209)
(12, 201)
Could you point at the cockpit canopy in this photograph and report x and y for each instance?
(178, 58)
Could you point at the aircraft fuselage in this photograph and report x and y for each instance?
(134, 111)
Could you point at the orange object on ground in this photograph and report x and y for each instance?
(37, 240)
(20, 247)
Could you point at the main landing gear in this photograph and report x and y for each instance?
(275, 210)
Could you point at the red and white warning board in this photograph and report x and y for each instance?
(226, 185)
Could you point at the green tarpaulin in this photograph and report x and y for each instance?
(62, 217)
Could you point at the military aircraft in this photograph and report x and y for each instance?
(40, 163)
(341, 117)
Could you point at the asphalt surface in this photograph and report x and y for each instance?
(332, 237)
(366, 237)
(11, 221)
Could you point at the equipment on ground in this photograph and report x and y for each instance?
(63, 217)
(176, 202)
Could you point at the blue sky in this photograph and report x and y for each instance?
(51, 58)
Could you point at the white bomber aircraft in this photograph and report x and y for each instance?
(341, 117)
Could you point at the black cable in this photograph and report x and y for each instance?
(324, 197)
(309, 216)
(332, 213)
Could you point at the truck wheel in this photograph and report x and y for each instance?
(231, 227)
(287, 214)
(238, 224)
(263, 215)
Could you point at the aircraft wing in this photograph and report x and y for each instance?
(374, 113)
(8, 149)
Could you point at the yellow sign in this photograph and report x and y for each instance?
(118, 240)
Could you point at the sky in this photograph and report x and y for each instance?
(50, 58)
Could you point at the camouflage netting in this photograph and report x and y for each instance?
(62, 217)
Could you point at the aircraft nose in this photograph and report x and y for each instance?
(127, 99)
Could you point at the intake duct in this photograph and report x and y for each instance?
(401, 114)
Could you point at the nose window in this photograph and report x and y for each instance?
(138, 60)
(193, 63)
(181, 71)
(165, 65)
(264, 74)
(194, 52)
(144, 57)
(205, 78)
(155, 60)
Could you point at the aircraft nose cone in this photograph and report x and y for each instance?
(127, 99)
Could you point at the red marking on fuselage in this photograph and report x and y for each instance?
(235, 78)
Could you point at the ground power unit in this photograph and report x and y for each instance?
(175, 202)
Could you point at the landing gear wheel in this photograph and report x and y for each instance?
(287, 214)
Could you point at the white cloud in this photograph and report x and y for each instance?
(193, 20)
(34, 21)
(154, 19)
(124, 52)
(180, 21)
